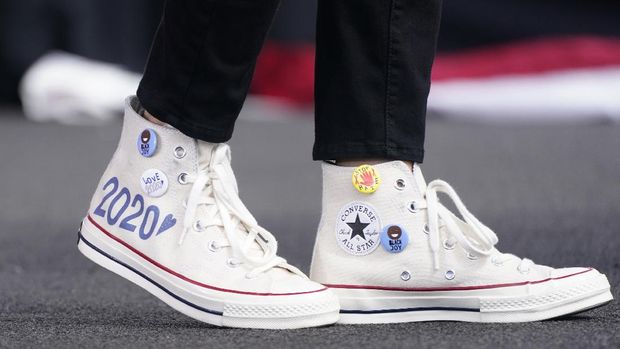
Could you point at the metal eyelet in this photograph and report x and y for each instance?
(449, 244)
(450, 274)
(496, 262)
(182, 178)
(179, 152)
(405, 276)
(198, 226)
(400, 184)
(213, 246)
(523, 271)
(426, 230)
(413, 207)
(471, 256)
(231, 262)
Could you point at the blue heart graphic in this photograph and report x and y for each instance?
(168, 223)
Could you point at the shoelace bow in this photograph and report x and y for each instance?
(217, 189)
(473, 236)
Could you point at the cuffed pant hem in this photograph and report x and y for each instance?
(154, 106)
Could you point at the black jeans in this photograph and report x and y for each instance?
(373, 64)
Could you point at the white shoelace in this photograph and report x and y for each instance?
(473, 236)
(217, 189)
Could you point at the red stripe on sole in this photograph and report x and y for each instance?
(185, 278)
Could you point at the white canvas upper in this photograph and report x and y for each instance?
(214, 255)
(447, 259)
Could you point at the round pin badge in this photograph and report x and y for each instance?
(154, 182)
(358, 228)
(394, 238)
(366, 179)
(147, 142)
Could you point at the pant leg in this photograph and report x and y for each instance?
(373, 64)
(201, 63)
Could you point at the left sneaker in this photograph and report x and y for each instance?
(393, 253)
(167, 216)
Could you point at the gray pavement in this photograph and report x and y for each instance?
(551, 192)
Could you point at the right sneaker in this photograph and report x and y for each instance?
(167, 216)
(392, 252)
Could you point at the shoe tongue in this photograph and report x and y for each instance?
(418, 179)
(205, 153)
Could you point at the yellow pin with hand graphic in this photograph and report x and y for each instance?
(366, 179)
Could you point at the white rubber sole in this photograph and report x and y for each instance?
(531, 302)
(212, 307)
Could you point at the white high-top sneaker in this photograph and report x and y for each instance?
(393, 253)
(167, 216)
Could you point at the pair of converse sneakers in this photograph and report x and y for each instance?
(167, 216)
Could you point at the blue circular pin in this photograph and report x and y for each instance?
(394, 238)
(147, 142)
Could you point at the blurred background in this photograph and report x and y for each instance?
(515, 60)
(523, 120)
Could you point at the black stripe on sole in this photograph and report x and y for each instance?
(405, 310)
(182, 300)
